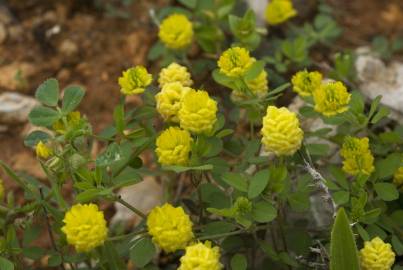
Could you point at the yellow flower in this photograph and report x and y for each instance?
(201, 257)
(173, 146)
(357, 156)
(235, 61)
(176, 31)
(398, 178)
(169, 100)
(331, 98)
(72, 120)
(175, 73)
(170, 227)
(377, 255)
(85, 227)
(42, 150)
(305, 83)
(258, 88)
(1, 190)
(198, 112)
(134, 80)
(278, 11)
(281, 131)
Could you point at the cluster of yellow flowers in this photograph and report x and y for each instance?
(358, 158)
(279, 11)
(193, 110)
(170, 227)
(176, 31)
(377, 255)
(201, 256)
(173, 146)
(305, 83)
(281, 131)
(134, 80)
(398, 178)
(85, 227)
(234, 63)
(330, 98)
(42, 150)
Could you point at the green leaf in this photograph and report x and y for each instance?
(383, 112)
(386, 191)
(34, 137)
(397, 245)
(343, 250)
(264, 212)
(72, 98)
(374, 106)
(341, 197)
(179, 169)
(6, 264)
(258, 183)
(236, 180)
(88, 195)
(142, 252)
(386, 167)
(218, 227)
(43, 116)
(188, 3)
(119, 118)
(316, 149)
(239, 262)
(224, 133)
(48, 92)
(254, 71)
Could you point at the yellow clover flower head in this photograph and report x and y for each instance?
(202, 257)
(175, 73)
(279, 11)
(331, 98)
(173, 146)
(72, 120)
(281, 131)
(85, 227)
(176, 31)
(134, 80)
(235, 61)
(305, 83)
(357, 156)
(42, 150)
(169, 100)
(398, 178)
(198, 112)
(377, 255)
(170, 227)
(258, 88)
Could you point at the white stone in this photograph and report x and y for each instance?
(14, 108)
(376, 78)
(144, 196)
(259, 7)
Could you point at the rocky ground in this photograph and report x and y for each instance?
(84, 44)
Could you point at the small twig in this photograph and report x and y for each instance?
(52, 239)
(320, 181)
(129, 206)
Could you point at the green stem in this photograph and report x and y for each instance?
(129, 206)
(122, 237)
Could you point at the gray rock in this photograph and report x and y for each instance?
(377, 78)
(14, 108)
(144, 196)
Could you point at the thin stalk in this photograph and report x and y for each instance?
(121, 237)
(52, 239)
(129, 206)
